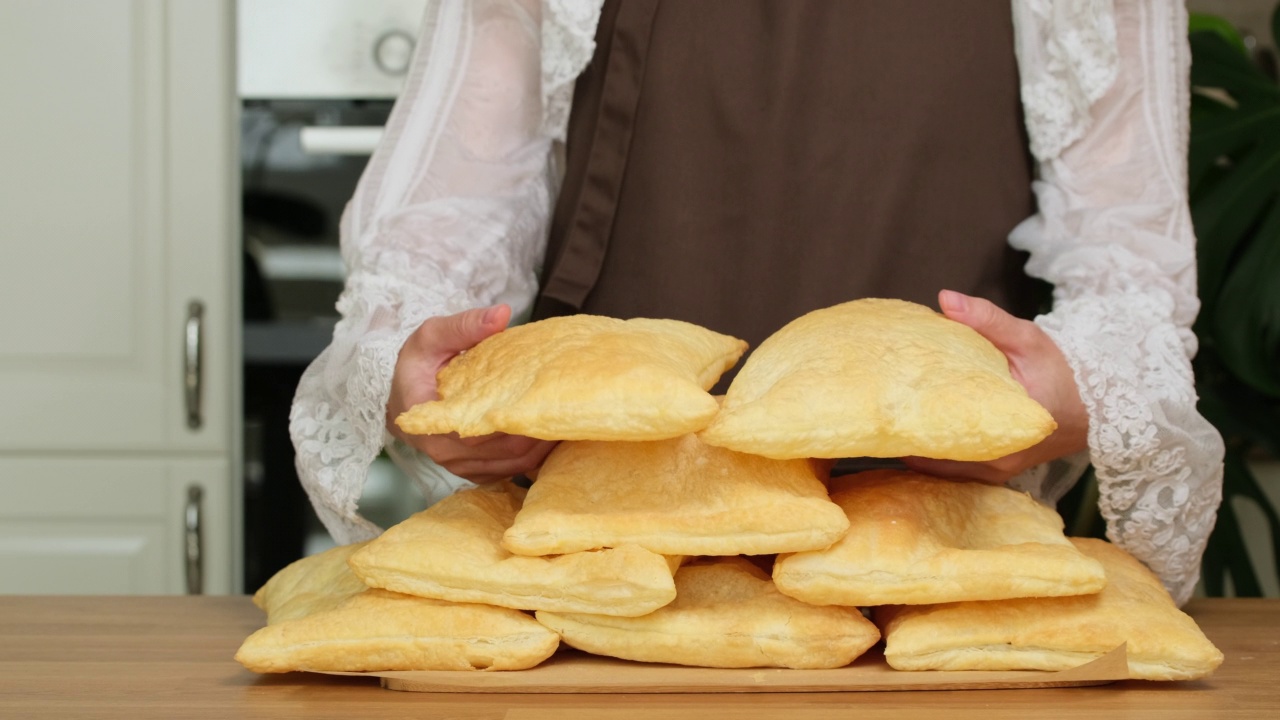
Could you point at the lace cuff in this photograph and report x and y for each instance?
(339, 413)
(451, 213)
(1158, 462)
(1113, 234)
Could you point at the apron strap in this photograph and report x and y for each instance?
(576, 268)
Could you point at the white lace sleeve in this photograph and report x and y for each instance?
(451, 213)
(1114, 236)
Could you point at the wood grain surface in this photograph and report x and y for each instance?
(171, 657)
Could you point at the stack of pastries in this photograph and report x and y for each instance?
(671, 526)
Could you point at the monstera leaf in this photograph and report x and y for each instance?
(1234, 185)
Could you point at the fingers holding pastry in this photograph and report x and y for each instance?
(437, 341)
(484, 459)
(1038, 364)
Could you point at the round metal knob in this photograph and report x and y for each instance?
(393, 51)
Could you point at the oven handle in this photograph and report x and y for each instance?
(344, 140)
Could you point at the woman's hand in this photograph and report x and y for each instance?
(1037, 363)
(430, 348)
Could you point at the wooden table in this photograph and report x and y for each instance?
(171, 657)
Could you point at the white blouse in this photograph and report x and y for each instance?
(453, 213)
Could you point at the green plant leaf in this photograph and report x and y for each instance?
(1240, 414)
(1242, 483)
(1224, 214)
(1206, 182)
(1247, 315)
(1275, 26)
(1209, 104)
(1233, 171)
(1227, 554)
(1213, 564)
(1218, 134)
(1204, 22)
(1216, 64)
(1221, 413)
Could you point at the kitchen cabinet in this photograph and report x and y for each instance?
(118, 374)
(115, 525)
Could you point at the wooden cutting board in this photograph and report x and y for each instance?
(571, 671)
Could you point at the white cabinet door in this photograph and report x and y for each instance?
(116, 211)
(103, 525)
(118, 208)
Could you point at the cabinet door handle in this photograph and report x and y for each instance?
(192, 376)
(194, 545)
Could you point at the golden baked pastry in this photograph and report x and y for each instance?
(915, 539)
(581, 377)
(379, 630)
(1163, 643)
(452, 551)
(726, 614)
(878, 378)
(318, 582)
(675, 497)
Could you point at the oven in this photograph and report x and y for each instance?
(316, 80)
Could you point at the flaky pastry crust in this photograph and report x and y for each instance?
(675, 497)
(878, 378)
(726, 614)
(1162, 642)
(915, 539)
(453, 551)
(581, 377)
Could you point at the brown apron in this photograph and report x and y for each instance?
(737, 163)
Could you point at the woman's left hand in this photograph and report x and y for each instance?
(1037, 363)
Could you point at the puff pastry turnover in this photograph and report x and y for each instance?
(318, 582)
(675, 497)
(452, 551)
(1057, 633)
(581, 377)
(915, 539)
(878, 378)
(380, 630)
(726, 614)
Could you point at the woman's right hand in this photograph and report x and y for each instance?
(436, 342)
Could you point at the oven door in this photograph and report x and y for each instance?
(325, 49)
(316, 80)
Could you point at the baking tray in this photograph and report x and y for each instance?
(572, 671)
